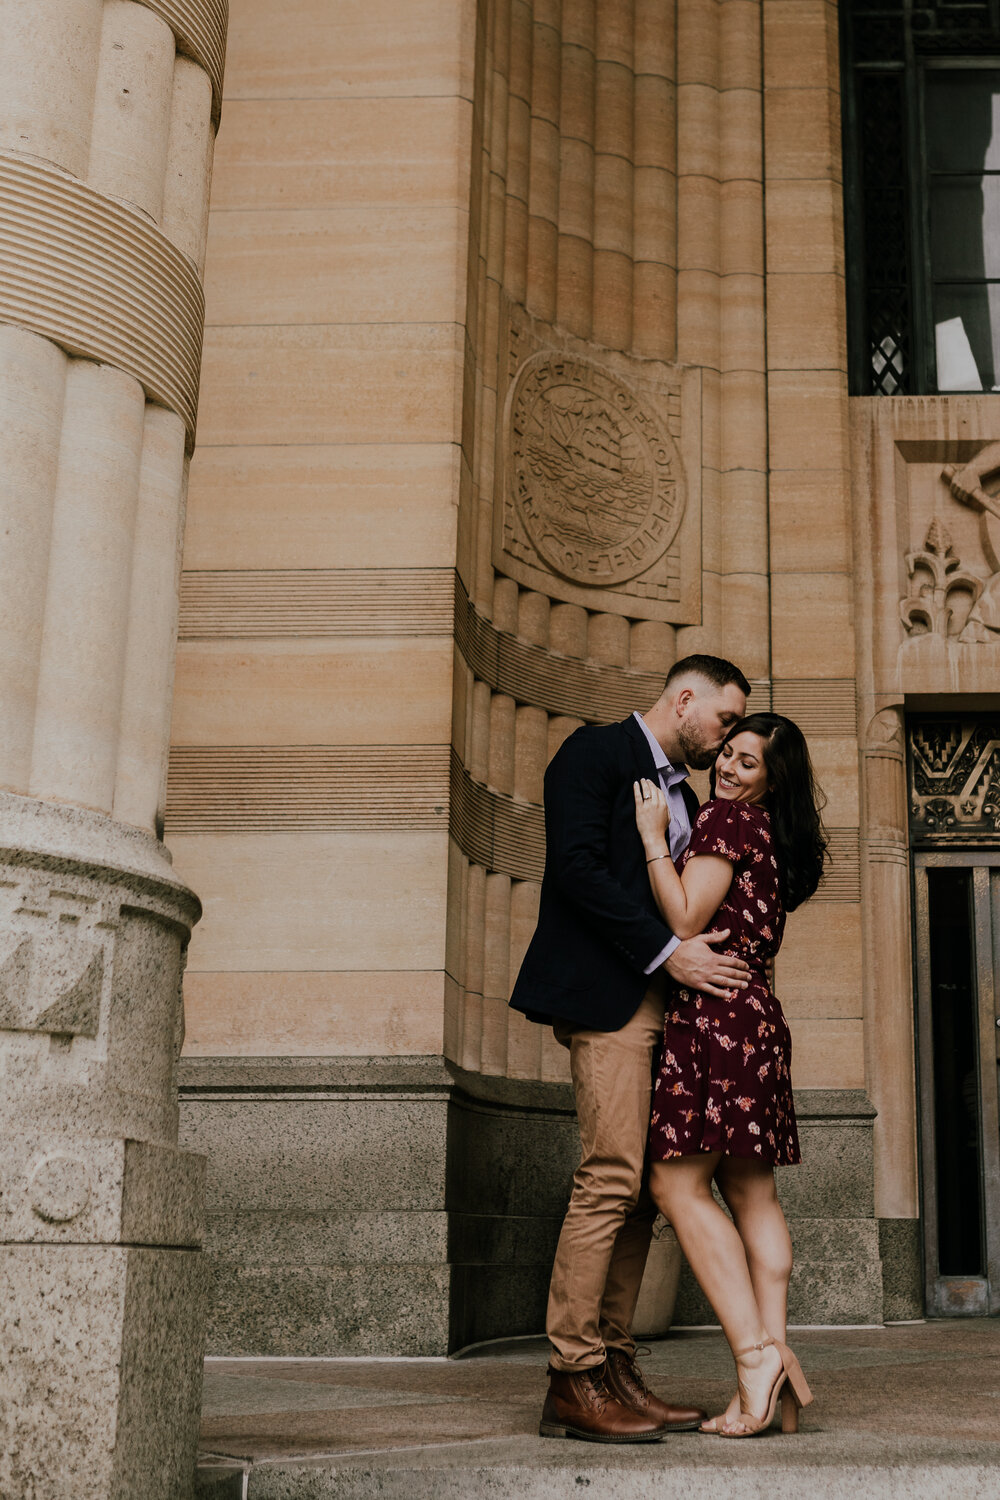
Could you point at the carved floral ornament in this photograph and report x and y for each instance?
(954, 779)
(947, 598)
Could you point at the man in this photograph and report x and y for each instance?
(596, 970)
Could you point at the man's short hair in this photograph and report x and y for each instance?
(714, 669)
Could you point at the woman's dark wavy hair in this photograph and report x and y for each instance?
(794, 801)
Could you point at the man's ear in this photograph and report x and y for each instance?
(683, 700)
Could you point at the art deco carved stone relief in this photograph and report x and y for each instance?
(954, 779)
(957, 597)
(597, 506)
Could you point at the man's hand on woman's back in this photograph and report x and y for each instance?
(695, 965)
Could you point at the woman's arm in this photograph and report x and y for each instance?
(689, 901)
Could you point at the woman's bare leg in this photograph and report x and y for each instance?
(749, 1190)
(682, 1189)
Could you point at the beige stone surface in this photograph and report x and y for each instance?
(801, 43)
(363, 265)
(805, 229)
(405, 48)
(806, 321)
(810, 523)
(367, 1013)
(802, 133)
(323, 506)
(316, 901)
(339, 384)
(310, 153)
(818, 969)
(350, 692)
(812, 625)
(807, 413)
(835, 761)
(827, 1054)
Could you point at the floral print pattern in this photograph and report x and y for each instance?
(724, 1081)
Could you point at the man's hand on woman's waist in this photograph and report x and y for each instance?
(695, 965)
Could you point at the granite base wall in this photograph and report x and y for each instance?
(404, 1206)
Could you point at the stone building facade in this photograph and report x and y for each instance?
(531, 363)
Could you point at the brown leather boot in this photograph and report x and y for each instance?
(628, 1387)
(579, 1405)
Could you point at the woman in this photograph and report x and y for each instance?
(722, 1106)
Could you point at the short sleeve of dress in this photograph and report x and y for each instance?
(722, 827)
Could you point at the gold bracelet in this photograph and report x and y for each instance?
(658, 856)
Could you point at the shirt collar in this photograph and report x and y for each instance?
(672, 774)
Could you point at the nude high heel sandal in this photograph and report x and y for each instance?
(789, 1386)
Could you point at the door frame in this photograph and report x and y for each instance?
(950, 1296)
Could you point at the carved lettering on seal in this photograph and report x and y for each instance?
(596, 477)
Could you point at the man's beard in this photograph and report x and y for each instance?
(697, 754)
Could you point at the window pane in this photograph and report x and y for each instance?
(967, 336)
(963, 120)
(965, 227)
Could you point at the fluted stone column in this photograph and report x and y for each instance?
(108, 111)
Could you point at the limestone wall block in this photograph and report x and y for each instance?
(608, 639)
(190, 150)
(614, 109)
(560, 728)
(48, 71)
(651, 647)
(810, 527)
(479, 739)
(741, 310)
(811, 625)
(807, 413)
(568, 629)
(576, 188)
(500, 767)
(87, 602)
(533, 611)
(147, 687)
(531, 732)
(613, 304)
(740, 44)
(745, 600)
(577, 96)
(132, 106)
(805, 226)
(546, 59)
(496, 974)
(32, 382)
(575, 291)
(744, 539)
(741, 229)
(655, 128)
(698, 205)
(612, 204)
(654, 31)
(542, 270)
(654, 236)
(698, 42)
(698, 332)
(654, 296)
(807, 322)
(802, 45)
(802, 134)
(741, 145)
(698, 135)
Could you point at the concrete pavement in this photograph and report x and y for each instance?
(905, 1411)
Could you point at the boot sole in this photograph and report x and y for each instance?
(557, 1430)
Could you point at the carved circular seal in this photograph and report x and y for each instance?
(59, 1187)
(596, 476)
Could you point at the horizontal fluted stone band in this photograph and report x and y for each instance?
(199, 27)
(99, 281)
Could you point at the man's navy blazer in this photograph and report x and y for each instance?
(598, 924)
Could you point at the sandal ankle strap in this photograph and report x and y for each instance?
(765, 1344)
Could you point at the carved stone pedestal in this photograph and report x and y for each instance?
(101, 1278)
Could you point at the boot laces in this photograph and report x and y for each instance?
(631, 1374)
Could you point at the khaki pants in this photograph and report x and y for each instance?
(605, 1237)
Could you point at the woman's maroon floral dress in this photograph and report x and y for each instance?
(724, 1082)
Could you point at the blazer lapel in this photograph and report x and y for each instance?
(640, 749)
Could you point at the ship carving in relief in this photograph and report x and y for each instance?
(595, 475)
